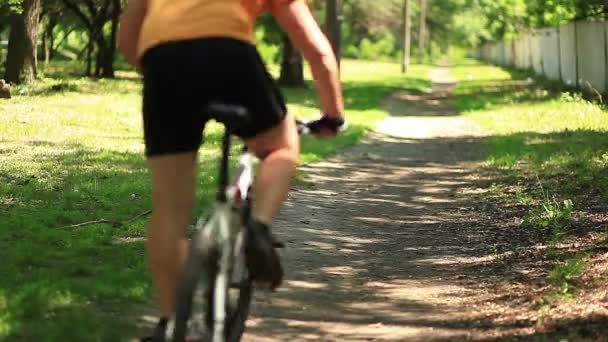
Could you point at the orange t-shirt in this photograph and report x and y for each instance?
(171, 20)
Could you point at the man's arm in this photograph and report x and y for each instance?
(130, 28)
(297, 20)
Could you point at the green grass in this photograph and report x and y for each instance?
(563, 276)
(71, 152)
(537, 127)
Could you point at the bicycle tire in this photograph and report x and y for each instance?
(198, 264)
(239, 308)
(237, 311)
(239, 296)
(239, 303)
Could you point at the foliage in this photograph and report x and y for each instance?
(551, 214)
(563, 276)
(379, 49)
(557, 12)
(268, 40)
(477, 21)
(12, 5)
(372, 29)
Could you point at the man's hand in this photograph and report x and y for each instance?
(296, 18)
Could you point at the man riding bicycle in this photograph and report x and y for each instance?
(192, 53)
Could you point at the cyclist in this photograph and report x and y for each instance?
(193, 52)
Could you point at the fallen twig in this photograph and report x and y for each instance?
(597, 92)
(114, 224)
(145, 213)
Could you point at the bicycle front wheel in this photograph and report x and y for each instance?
(239, 302)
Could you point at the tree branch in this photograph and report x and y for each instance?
(79, 13)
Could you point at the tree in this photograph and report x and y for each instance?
(292, 65)
(556, 12)
(22, 44)
(52, 14)
(95, 14)
(422, 31)
(407, 34)
(333, 23)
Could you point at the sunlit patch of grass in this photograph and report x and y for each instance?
(537, 127)
(563, 277)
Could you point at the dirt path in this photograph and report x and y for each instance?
(378, 245)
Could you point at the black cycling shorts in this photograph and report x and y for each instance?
(182, 78)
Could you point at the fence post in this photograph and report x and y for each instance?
(559, 52)
(606, 55)
(577, 81)
(544, 36)
(530, 50)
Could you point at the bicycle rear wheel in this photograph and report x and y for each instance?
(238, 305)
(197, 291)
(198, 274)
(240, 294)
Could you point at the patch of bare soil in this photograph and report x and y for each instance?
(516, 282)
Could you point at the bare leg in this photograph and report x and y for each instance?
(279, 149)
(173, 188)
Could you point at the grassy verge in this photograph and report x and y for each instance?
(550, 150)
(537, 128)
(71, 152)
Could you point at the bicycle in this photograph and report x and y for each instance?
(215, 271)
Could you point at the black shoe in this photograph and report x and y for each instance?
(160, 332)
(165, 328)
(262, 259)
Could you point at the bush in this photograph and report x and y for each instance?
(269, 51)
(383, 48)
(351, 51)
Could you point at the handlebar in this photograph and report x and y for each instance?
(236, 117)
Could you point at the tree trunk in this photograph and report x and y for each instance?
(407, 34)
(110, 48)
(22, 55)
(49, 39)
(333, 23)
(98, 59)
(292, 65)
(89, 56)
(422, 33)
(45, 47)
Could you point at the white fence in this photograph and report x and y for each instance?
(576, 54)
